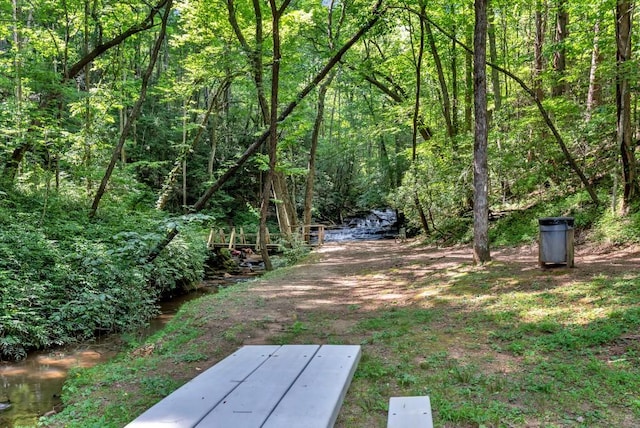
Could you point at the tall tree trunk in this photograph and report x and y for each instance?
(624, 10)
(184, 159)
(538, 58)
(424, 30)
(560, 54)
(276, 14)
(254, 54)
(12, 165)
(468, 91)
(594, 92)
(493, 55)
(213, 138)
(311, 172)
(454, 87)
(481, 253)
(444, 91)
(134, 112)
(88, 120)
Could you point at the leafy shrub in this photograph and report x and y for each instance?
(181, 264)
(30, 281)
(615, 229)
(64, 278)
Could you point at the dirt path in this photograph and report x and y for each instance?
(342, 279)
(352, 277)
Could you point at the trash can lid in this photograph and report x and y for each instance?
(549, 221)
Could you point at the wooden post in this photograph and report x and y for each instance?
(211, 238)
(232, 238)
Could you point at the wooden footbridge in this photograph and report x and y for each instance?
(311, 235)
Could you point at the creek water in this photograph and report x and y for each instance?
(376, 224)
(34, 384)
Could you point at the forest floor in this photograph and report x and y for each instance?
(505, 344)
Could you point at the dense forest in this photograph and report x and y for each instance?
(128, 128)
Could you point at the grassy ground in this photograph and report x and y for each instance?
(504, 345)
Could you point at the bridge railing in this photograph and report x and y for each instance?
(219, 237)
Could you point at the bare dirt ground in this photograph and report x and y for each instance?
(374, 274)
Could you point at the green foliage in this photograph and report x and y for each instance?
(616, 229)
(521, 226)
(68, 279)
(294, 251)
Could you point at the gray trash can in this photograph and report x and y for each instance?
(555, 244)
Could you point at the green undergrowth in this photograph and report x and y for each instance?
(492, 346)
(66, 277)
(515, 225)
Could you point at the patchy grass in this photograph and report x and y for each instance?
(507, 344)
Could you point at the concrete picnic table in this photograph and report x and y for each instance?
(283, 386)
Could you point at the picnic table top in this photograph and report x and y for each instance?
(262, 386)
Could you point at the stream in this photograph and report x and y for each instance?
(34, 384)
(376, 224)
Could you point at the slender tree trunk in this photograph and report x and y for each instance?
(276, 14)
(624, 10)
(481, 253)
(538, 59)
(454, 88)
(424, 30)
(213, 136)
(468, 91)
(88, 120)
(311, 172)
(11, 167)
(254, 55)
(493, 55)
(184, 159)
(560, 54)
(134, 112)
(446, 101)
(594, 92)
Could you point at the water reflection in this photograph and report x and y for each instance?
(34, 384)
